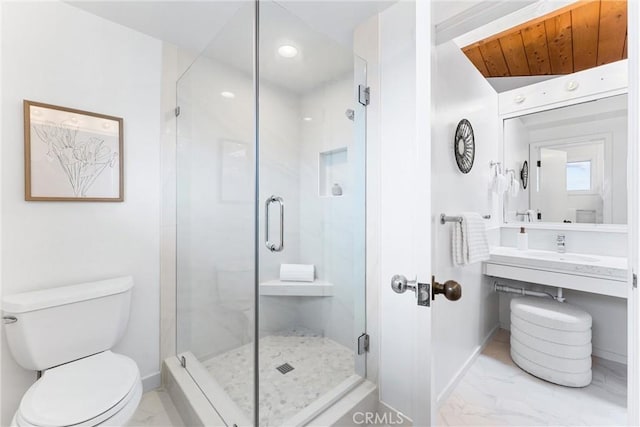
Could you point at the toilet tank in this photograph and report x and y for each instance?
(59, 325)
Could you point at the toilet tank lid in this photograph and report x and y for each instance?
(37, 300)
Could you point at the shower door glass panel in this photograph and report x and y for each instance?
(215, 176)
(312, 212)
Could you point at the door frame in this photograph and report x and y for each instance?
(633, 306)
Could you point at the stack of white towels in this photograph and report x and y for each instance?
(470, 243)
(297, 272)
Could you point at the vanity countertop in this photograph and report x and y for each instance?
(611, 268)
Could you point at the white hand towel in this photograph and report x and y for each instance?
(470, 243)
(514, 184)
(499, 182)
(297, 272)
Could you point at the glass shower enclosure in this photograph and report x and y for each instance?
(271, 219)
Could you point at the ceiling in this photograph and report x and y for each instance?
(191, 24)
(322, 30)
(582, 35)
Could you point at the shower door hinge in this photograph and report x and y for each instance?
(635, 280)
(363, 344)
(364, 95)
(183, 361)
(177, 111)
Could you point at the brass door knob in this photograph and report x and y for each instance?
(450, 289)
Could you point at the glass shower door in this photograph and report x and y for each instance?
(215, 176)
(311, 242)
(301, 229)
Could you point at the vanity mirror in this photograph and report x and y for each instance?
(577, 163)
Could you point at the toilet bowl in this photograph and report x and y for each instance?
(103, 389)
(67, 333)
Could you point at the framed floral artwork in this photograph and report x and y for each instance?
(72, 155)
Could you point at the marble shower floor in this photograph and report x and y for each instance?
(494, 391)
(319, 363)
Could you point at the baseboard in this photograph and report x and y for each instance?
(609, 355)
(446, 392)
(391, 416)
(151, 382)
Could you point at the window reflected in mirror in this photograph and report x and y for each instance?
(577, 156)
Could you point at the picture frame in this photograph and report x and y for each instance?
(72, 155)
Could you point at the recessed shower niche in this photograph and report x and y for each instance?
(333, 172)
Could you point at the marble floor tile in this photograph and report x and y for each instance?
(156, 410)
(319, 364)
(494, 391)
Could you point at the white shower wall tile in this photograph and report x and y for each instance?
(215, 218)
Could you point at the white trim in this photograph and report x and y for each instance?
(478, 16)
(505, 22)
(455, 380)
(633, 191)
(151, 381)
(609, 355)
(594, 83)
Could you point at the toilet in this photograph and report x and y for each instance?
(67, 333)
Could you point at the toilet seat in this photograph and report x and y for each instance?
(88, 392)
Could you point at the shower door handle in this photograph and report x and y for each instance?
(272, 246)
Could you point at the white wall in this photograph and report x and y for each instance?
(75, 59)
(461, 327)
(516, 151)
(329, 230)
(215, 205)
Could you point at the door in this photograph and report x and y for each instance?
(550, 192)
(311, 200)
(215, 170)
(405, 209)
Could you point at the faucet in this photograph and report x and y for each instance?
(560, 243)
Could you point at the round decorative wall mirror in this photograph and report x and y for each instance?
(524, 175)
(464, 146)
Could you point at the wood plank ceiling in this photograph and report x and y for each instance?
(580, 36)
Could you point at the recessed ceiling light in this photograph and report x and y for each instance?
(287, 51)
(307, 119)
(227, 94)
